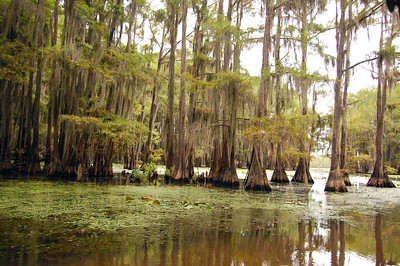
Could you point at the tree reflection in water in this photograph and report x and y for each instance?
(288, 231)
(258, 237)
(378, 240)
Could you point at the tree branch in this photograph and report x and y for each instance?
(359, 63)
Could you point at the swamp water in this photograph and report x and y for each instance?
(51, 223)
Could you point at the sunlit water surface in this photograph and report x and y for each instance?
(50, 223)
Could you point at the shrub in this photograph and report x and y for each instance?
(390, 170)
(138, 176)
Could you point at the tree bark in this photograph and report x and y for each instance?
(343, 139)
(34, 163)
(227, 175)
(52, 92)
(154, 102)
(302, 174)
(216, 154)
(279, 174)
(181, 173)
(257, 178)
(335, 182)
(7, 110)
(173, 24)
(379, 177)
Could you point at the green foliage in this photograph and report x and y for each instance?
(159, 15)
(354, 162)
(149, 168)
(195, 177)
(310, 78)
(138, 176)
(156, 155)
(390, 170)
(114, 64)
(168, 172)
(14, 61)
(142, 175)
(196, 84)
(277, 129)
(224, 79)
(101, 125)
(225, 82)
(199, 153)
(88, 13)
(293, 154)
(360, 126)
(388, 52)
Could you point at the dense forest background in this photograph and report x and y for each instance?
(86, 83)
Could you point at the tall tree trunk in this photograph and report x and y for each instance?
(138, 151)
(227, 175)
(132, 21)
(343, 139)
(257, 178)
(198, 70)
(52, 91)
(335, 181)
(279, 174)
(56, 130)
(20, 161)
(34, 163)
(379, 177)
(181, 173)
(48, 156)
(6, 112)
(173, 24)
(302, 174)
(216, 155)
(154, 102)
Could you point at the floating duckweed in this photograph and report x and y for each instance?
(129, 198)
(69, 217)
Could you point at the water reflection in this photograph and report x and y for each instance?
(264, 239)
(291, 226)
(378, 240)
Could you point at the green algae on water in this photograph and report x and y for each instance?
(55, 218)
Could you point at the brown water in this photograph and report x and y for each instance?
(83, 224)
